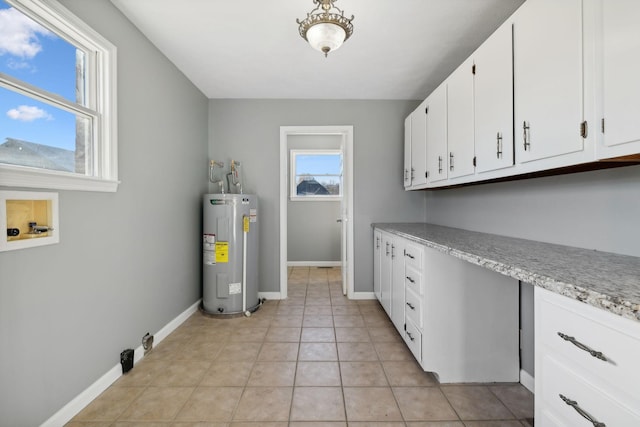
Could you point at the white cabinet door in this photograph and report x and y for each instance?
(436, 109)
(548, 78)
(407, 152)
(385, 273)
(493, 99)
(419, 145)
(460, 119)
(621, 78)
(397, 283)
(377, 258)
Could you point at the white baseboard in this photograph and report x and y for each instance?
(314, 263)
(527, 381)
(71, 409)
(269, 295)
(363, 295)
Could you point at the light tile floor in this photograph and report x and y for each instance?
(316, 359)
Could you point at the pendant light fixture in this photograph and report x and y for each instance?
(325, 27)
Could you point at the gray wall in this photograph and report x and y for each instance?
(249, 130)
(595, 210)
(127, 262)
(312, 231)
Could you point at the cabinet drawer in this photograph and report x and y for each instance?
(413, 308)
(559, 380)
(600, 343)
(413, 255)
(413, 280)
(413, 338)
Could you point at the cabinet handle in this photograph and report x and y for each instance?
(439, 164)
(572, 340)
(498, 146)
(409, 255)
(393, 251)
(411, 307)
(450, 161)
(406, 173)
(582, 412)
(413, 173)
(411, 280)
(413, 339)
(525, 135)
(387, 249)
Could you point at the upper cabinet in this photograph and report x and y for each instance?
(460, 121)
(419, 145)
(437, 155)
(619, 124)
(548, 95)
(493, 101)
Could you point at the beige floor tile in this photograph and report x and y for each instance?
(249, 334)
(435, 424)
(318, 352)
(348, 321)
(376, 424)
(227, 374)
(352, 335)
(318, 335)
(317, 404)
(278, 352)
(318, 424)
(157, 404)
(362, 374)
(291, 310)
(318, 374)
(377, 320)
(318, 300)
(258, 424)
(88, 424)
(298, 300)
(516, 397)
(210, 404)
(318, 310)
(187, 373)
(264, 404)
(142, 373)
(283, 335)
(110, 404)
(493, 423)
(356, 351)
(287, 321)
(371, 404)
(198, 349)
(346, 310)
(314, 321)
(274, 374)
(385, 334)
(476, 403)
(408, 373)
(239, 352)
(424, 404)
(393, 351)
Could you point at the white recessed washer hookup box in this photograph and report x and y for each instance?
(30, 219)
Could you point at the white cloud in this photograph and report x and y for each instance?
(19, 34)
(26, 113)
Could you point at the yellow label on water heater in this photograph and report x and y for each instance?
(245, 220)
(222, 251)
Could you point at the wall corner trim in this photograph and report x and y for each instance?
(269, 295)
(362, 295)
(71, 409)
(527, 381)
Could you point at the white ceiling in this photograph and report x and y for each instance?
(400, 49)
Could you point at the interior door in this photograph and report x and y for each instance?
(344, 222)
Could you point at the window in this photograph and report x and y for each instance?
(57, 100)
(316, 175)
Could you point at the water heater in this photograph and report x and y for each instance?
(230, 254)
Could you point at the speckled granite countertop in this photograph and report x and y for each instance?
(601, 279)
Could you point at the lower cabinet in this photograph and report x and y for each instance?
(460, 321)
(587, 369)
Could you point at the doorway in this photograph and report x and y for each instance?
(344, 134)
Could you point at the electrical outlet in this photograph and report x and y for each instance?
(147, 342)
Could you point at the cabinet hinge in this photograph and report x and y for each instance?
(584, 129)
(405, 326)
(473, 69)
(474, 161)
(426, 110)
(602, 125)
(426, 174)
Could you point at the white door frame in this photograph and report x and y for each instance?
(346, 132)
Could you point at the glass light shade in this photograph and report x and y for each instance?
(326, 37)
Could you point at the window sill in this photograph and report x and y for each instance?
(16, 176)
(315, 199)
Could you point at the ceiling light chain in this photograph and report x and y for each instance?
(323, 29)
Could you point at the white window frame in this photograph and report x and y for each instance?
(101, 95)
(293, 190)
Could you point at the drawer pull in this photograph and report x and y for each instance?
(411, 307)
(410, 279)
(413, 339)
(582, 412)
(572, 340)
(409, 255)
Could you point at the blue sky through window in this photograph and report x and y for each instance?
(317, 164)
(30, 53)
